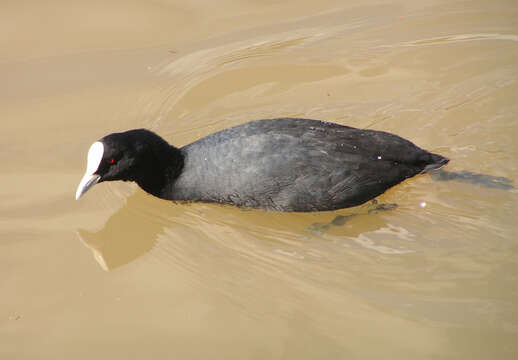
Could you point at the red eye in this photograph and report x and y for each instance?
(111, 161)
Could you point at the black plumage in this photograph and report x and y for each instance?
(281, 164)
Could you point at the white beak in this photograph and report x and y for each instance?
(95, 155)
(86, 183)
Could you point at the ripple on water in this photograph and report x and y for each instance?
(427, 263)
(456, 39)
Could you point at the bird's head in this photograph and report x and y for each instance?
(121, 156)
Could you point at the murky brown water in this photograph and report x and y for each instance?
(123, 275)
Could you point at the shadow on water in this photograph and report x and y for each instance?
(493, 182)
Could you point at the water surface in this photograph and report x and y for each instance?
(121, 274)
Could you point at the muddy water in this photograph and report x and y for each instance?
(122, 275)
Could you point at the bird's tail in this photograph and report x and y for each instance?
(435, 162)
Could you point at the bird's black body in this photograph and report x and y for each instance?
(279, 164)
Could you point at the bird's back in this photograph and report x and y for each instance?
(297, 165)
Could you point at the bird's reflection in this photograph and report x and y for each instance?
(123, 238)
(134, 229)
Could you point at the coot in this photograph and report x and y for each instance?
(281, 164)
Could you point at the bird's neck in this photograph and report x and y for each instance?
(161, 169)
